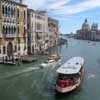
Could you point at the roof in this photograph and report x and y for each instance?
(72, 66)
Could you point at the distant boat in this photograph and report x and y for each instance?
(70, 75)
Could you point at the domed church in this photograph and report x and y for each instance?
(88, 32)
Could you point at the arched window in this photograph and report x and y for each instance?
(6, 30)
(9, 30)
(15, 48)
(14, 29)
(14, 12)
(19, 47)
(24, 47)
(18, 13)
(3, 30)
(18, 29)
(4, 50)
(6, 10)
(3, 9)
(9, 11)
(0, 50)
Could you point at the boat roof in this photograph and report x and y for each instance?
(72, 66)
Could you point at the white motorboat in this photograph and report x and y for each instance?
(50, 63)
(70, 75)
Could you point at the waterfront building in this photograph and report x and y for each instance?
(41, 29)
(37, 31)
(32, 45)
(88, 33)
(13, 28)
(24, 30)
(53, 31)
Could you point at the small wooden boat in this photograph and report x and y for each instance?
(55, 57)
(70, 75)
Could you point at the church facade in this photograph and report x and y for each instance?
(88, 32)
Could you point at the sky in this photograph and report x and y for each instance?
(70, 13)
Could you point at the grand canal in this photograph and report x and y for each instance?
(29, 82)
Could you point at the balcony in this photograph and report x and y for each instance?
(10, 36)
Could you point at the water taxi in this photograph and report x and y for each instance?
(49, 63)
(70, 75)
(54, 60)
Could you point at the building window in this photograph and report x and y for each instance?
(0, 50)
(3, 30)
(19, 47)
(18, 29)
(9, 12)
(15, 48)
(38, 26)
(14, 12)
(9, 30)
(6, 30)
(4, 50)
(3, 9)
(6, 11)
(17, 13)
(24, 17)
(24, 48)
(14, 30)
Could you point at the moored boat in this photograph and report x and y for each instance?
(70, 75)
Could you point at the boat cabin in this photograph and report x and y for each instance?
(70, 73)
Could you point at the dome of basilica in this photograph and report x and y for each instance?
(86, 26)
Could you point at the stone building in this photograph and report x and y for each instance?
(32, 45)
(88, 33)
(21, 28)
(53, 31)
(37, 31)
(13, 28)
(41, 29)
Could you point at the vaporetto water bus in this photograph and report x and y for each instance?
(70, 75)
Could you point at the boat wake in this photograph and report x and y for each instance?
(15, 73)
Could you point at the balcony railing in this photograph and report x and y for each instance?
(10, 35)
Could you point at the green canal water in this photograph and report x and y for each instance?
(29, 82)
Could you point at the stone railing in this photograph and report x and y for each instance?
(10, 35)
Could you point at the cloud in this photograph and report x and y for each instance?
(58, 4)
(80, 7)
(35, 4)
(62, 7)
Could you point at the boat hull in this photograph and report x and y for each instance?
(67, 89)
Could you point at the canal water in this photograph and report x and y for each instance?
(29, 82)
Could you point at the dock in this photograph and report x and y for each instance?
(5, 60)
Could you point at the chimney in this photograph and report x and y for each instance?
(21, 1)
